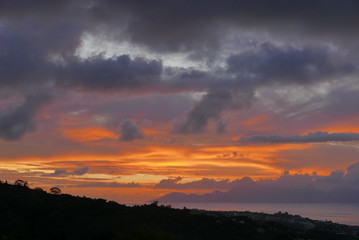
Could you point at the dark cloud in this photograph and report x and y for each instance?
(130, 131)
(39, 48)
(234, 87)
(65, 173)
(316, 137)
(286, 64)
(211, 106)
(39, 7)
(108, 185)
(186, 78)
(28, 60)
(120, 72)
(19, 121)
(38, 44)
(21, 62)
(187, 25)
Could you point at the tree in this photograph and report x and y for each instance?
(22, 183)
(55, 190)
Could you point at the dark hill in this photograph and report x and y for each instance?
(34, 214)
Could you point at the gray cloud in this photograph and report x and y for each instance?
(333, 178)
(211, 106)
(352, 175)
(38, 7)
(286, 64)
(19, 121)
(342, 102)
(316, 137)
(120, 72)
(57, 30)
(21, 61)
(161, 24)
(130, 131)
(49, 38)
(65, 173)
(234, 87)
(39, 49)
(147, 107)
(38, 44)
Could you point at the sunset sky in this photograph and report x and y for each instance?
(129, 100)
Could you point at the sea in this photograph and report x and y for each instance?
(338, 213)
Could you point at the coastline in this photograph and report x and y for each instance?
(336, 212)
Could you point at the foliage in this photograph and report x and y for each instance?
(55, 191)
(22, 183)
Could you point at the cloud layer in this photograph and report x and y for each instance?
(338, 187)
(65, 173)
(316, 137)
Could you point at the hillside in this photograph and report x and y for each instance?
(34, 214)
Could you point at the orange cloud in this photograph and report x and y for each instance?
(347, 125)
(88, 134)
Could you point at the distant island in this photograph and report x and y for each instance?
(27, 213)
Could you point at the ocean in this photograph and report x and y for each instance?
(339, 213)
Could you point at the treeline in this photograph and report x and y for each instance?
(22, 183)
(32, 214)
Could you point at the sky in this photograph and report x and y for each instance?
(131, 100)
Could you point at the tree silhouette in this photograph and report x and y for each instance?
(39, 189)
(22, 183)
(55, 190)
